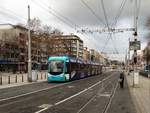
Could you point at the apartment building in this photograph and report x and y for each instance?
(86, 54)
(13, 47)
(43, 52)
(70, 45)
(96, 56)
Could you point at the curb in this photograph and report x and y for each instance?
(20, 84)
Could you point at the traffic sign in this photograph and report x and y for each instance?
(134, 45)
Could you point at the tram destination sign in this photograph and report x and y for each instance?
(134, 45)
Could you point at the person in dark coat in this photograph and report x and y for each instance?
(121, 80)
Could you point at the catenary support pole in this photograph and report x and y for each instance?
(136, 74)
(29, 48)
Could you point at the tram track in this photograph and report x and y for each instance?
(110, 100)
(17, 94)
(78, 94)
(111, 95)
(52, 97)
(83, 107)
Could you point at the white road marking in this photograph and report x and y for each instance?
(112, 96)
(105, 95)
(71, 86)
(45, 107)
(57, 103)
(42, 110)
(81, 91)
(92, 99)
(86, 104)
(25, 94)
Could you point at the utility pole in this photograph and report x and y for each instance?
(29, 49)
(129, 57)
(136, 74)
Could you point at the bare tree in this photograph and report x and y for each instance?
(35, 25)
(38, 28)
(56, 32)
(47, 29)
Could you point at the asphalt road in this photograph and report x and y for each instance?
(88, 95)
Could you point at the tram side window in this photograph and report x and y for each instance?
(67, 68)
(82, 67)
(73, 66)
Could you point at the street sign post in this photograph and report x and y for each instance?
(134, 45)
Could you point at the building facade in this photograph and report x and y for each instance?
(86, 54)
(70, 45)
(13, 48)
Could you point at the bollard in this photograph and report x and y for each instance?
(22, 79)
(37, 77)
(1, 82)
(16, 79)
(45, 75)
(41, 76)
(8, 79)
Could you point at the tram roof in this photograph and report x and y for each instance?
(72, 59)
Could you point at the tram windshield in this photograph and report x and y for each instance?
(56, 67)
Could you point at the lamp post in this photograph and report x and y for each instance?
(29, 48)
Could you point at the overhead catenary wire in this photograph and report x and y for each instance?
(13, 13)
(115, 22)
(10, 15)
(66, 18)
(107, 40)
(108, 26)
(113, 42)
(119, 12)
(93, 12)
(52, 13)
(72, 23)
(107, 23)
(105, 15)
(58, 13)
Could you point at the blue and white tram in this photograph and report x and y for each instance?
(64, 68)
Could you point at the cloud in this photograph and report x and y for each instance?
(79, 14)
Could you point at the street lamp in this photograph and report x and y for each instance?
(29, 48)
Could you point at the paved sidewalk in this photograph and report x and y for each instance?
(20, 84)
(122, 101)
(11, 80)
(140, 95)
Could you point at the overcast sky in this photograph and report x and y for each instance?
(74, 12)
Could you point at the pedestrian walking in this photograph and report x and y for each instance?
(121, 80)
